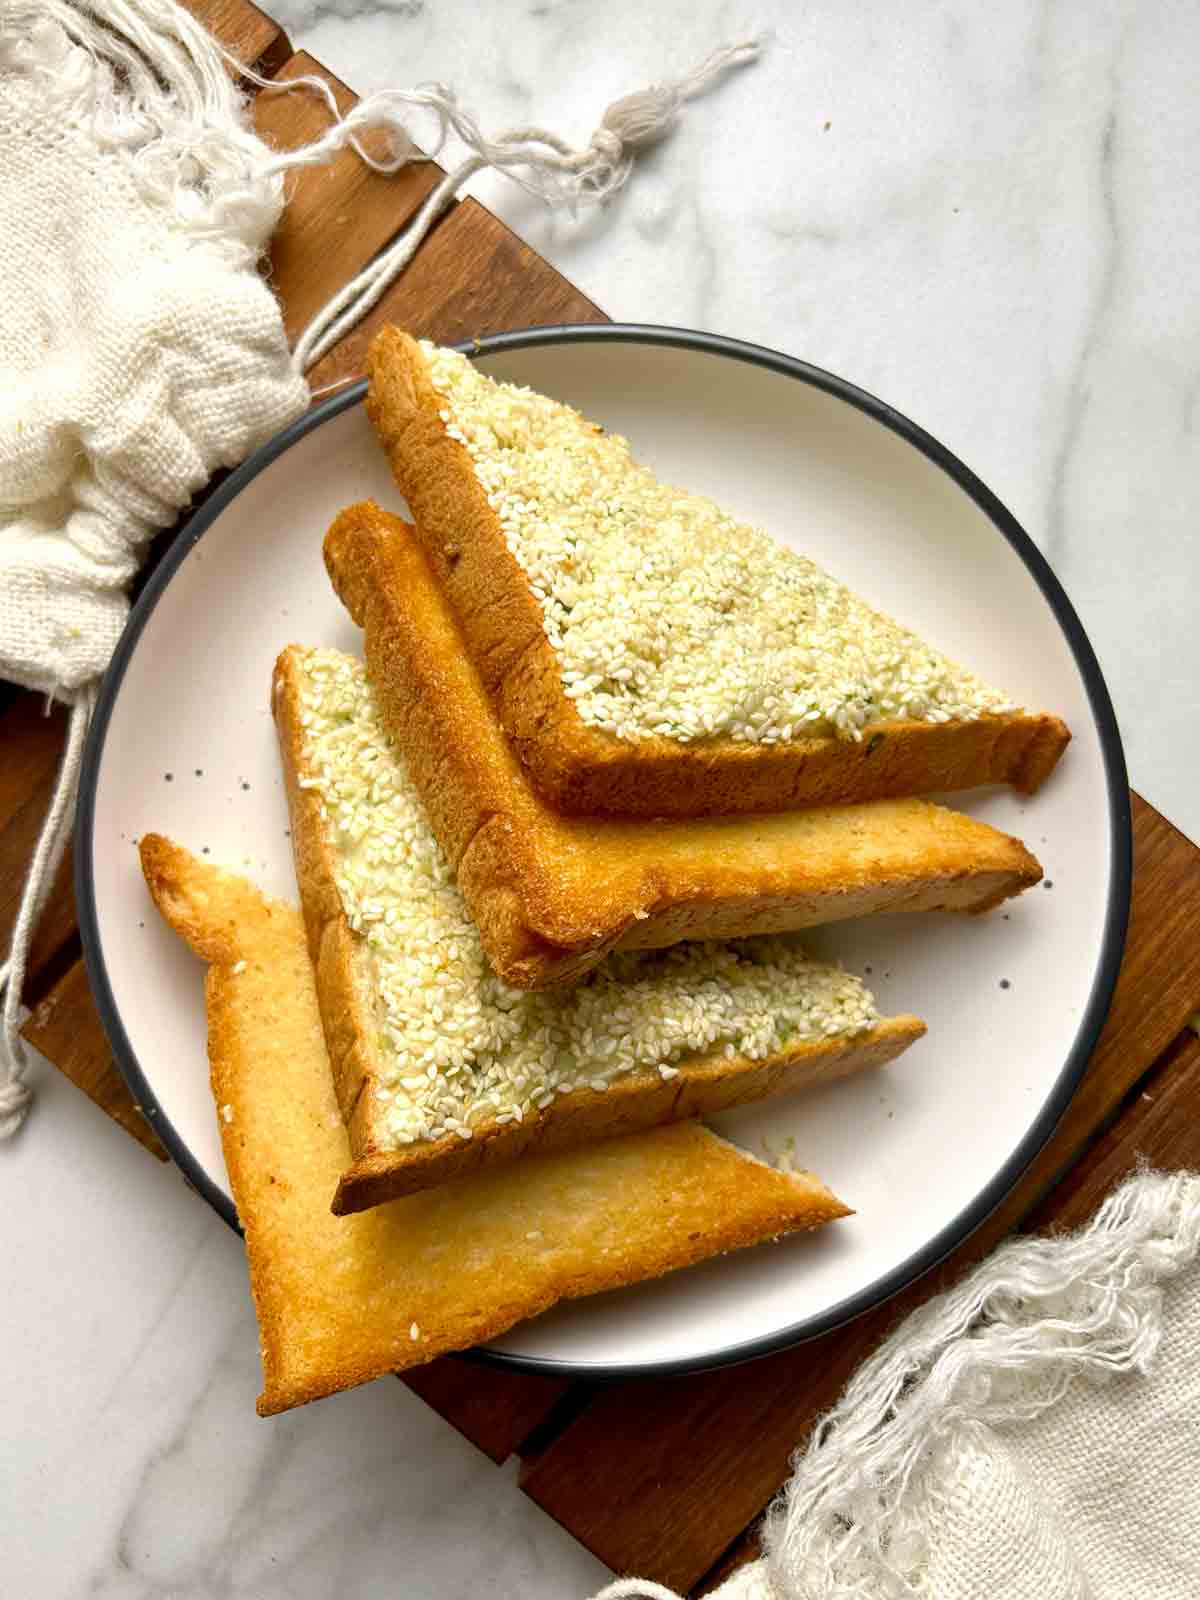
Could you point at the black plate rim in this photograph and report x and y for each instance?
(1116, 782)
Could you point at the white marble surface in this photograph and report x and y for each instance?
(985, 214)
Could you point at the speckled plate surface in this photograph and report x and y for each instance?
(184, 743)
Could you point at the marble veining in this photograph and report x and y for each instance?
(986, 215)
(1077, 393)
(303, 15)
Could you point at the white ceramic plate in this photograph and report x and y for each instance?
(184, 743)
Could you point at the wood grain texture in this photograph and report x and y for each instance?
(744, 1549)
(1159, 1126)
(31, 743)
(471, 277)
(340, 214)
(661, 1479)
(66, 1029)
(256, 40)
(496, 1410)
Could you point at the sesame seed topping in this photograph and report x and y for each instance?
(458, 1050)
(666, 614)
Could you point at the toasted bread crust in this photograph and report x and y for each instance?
(338, 1300)
(552, 895)
(582, 770)
(633, 1103)
(639, 1100)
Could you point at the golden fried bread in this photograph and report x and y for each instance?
(341, 1300)
(551, 895)
(670, 709)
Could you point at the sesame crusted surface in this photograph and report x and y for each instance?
(669, 617)
(459, 1049)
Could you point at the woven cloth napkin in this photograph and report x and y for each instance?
(1034, 1434)
(140, 348)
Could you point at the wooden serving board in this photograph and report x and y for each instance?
(663, 1478)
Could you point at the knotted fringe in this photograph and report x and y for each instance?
(534, 158)
(1000, 1349)
(153, 89)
